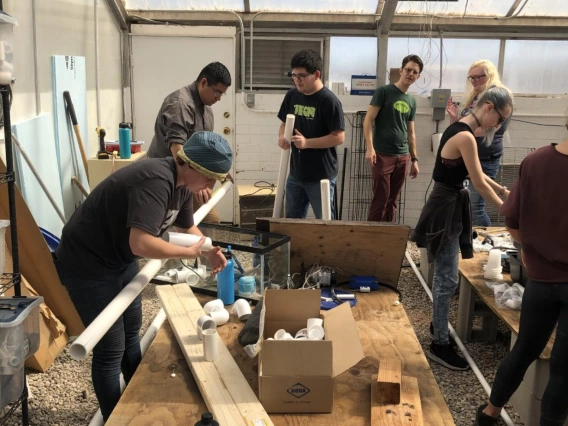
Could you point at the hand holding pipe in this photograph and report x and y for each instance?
(284, 160)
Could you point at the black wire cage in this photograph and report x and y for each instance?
(361, 179)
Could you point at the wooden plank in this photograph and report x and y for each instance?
(472, 271)
(408, 412)
(225, 373)
(388, 381)
(210, 383)
(358, 248)
(153, 396)
(385, 332)
(36, 263)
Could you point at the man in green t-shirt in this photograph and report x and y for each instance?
(393, 142)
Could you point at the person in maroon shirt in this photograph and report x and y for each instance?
(536, 217)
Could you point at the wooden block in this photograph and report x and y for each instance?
(388, 381)
(407, 413)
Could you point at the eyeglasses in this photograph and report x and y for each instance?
(473, 78)
(501, 118)
(299, 77)
(217, 93)
(411, 71)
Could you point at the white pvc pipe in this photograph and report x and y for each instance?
(325, 200)
(284, 160)
(85, 343)
(464, 351)
(187, 240)
(200, 214)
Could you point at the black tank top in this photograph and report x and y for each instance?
(451, 172)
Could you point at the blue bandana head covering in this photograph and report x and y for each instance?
(208, 153)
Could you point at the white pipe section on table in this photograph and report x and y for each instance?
(200, 214)
(464, 351)
(187, 240)
(85, 343)
(210, 344)
(325, 200)
(284, 160)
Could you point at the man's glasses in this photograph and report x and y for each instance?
(299, 77)
(473, 78)
(218, 93)
(411, 71)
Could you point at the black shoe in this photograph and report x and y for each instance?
(450, 338)
(446, 355)
(482, 419)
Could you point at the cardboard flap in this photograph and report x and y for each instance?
(341, 329)
(295, 305)
(297, 358)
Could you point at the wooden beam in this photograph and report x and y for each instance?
(407, 413)
(221, 382)
(387, 16)
(388, 381)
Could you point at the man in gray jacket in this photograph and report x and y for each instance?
(186, 111)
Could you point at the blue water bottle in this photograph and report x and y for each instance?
(226, 280)
(124, 140)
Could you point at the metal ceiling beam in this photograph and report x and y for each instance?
(247, 6)
(380, 5)
(524, 26)
(119, 12)
(514, 7)
(387, 16)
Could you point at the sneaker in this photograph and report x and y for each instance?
(482, 419)
(450, 338)
(446, 355)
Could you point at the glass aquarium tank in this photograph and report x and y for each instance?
(263, 256)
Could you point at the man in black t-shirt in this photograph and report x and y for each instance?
(318, 129)
(121, 221)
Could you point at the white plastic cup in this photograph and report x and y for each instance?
(220, 316)
(209, 306)
(316, 332)
(302, 334)
(288, 336)
(314, 321)
(241, 309)
(494, 259)
(205, 322)
(210, 345)
(279, 335)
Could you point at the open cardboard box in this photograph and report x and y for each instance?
(296, 376)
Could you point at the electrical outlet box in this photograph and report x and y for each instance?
(250, 100)
(439, 98)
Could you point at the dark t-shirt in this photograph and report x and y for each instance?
(391, 124)
(95, 241)
(536, 207)
(317, 115)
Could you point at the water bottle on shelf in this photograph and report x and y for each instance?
(124, 138)
(226, 280)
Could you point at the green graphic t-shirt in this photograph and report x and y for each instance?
(391, 124)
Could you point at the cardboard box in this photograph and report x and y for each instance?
(296, 376)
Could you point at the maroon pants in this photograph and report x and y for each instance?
(389, 173)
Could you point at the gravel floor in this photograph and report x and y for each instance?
(64, 395)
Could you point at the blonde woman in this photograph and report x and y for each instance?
(481, 74)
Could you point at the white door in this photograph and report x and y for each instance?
(166, 58)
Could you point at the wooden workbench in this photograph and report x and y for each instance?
(154, 397)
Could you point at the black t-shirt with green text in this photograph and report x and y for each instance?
(143, 195)
(317, 115)
(391, 124)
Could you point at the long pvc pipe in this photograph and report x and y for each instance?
(283, 171)
(85, 343)
(325, 199)
(464, 351)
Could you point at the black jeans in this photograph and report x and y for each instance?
(544, 304)
(119, 349)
